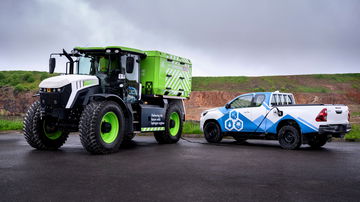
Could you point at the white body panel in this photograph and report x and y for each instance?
(78, 82)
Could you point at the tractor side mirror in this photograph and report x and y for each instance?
(129, 65)
(52, 63)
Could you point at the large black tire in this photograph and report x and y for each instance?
(289, 137)
(170, 135)
(212, 132)
(239, 139)
(317, 141)
(102, 127)
(42, 133)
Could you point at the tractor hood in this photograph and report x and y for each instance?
(76, 80)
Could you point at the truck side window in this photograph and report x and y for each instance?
(279, 100)
(290, 101)
(273, 99)
(242, 101)
(258, 100)
(285, 100)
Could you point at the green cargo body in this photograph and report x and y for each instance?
(160, 73)
(165, 74)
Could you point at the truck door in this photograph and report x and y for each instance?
(257, 113)
(239, 117)
(132, 73)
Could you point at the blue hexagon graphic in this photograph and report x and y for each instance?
(233, 115)
(229, 124)
(238, 125)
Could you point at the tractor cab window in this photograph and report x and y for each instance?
(86, 66)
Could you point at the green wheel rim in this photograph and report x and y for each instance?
(51, 135)
(176, 118)
(112, 119)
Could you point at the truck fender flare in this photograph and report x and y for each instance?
(291, 122)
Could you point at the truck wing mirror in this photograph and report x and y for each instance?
(129, 65)
(52, 63)
(227, 106)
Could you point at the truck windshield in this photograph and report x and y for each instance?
(86, 65)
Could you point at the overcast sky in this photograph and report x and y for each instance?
(255, 37)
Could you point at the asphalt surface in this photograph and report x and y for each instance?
(146, 171)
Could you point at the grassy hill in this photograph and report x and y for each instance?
(317, 83)
(22, 80)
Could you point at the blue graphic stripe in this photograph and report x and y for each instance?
(307, 123)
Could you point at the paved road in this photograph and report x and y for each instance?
(146, 171)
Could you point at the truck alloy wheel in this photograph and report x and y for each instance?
(212, 132)
(289, 137)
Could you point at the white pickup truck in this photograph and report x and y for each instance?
(274, 115)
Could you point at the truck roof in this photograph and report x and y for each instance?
(138, 51)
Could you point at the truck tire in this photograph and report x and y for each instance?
(173, 126)
(212, 132)
(289, 137)
(239, 139)
(102, 127)
(40, 133)
(317, 141)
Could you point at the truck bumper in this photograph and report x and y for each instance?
(336, 130)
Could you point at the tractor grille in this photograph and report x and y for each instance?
(55, 98)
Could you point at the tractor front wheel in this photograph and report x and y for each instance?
(42, 133)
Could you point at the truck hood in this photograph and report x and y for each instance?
(60, 81)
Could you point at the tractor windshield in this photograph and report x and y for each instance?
(87, 65)
(97, 64)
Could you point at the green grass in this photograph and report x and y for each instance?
(354, 114)
(191, 127)
(354, 133)
(10, 124)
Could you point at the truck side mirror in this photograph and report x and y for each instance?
(129, 65)
(52, 63)
(227, 106)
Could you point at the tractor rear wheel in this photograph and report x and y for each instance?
(102, 127)
(173, 126)
(42, 133)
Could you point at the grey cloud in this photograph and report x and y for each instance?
(239, 37)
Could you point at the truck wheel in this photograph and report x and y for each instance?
(289, 137)
(102, 127)
(212, 132)
(317, 141)
(43, 133)
(239, 139)
(173, 126)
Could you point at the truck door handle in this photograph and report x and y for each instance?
(246, 112)
(168, 75)
(181, 78)
(338, 111)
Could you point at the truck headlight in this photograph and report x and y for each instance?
(204, 113)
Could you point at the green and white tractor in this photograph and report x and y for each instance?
(109, 94)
